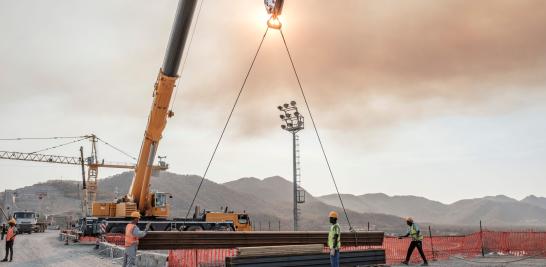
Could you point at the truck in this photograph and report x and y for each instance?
(29, 221)
(153, 206)
(200, 221)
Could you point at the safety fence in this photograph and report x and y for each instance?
(116, 239)
(443, 247)
(435, 248)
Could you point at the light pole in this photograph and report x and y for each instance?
(293, 122)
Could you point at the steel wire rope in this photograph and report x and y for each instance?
(227, 122)
(187, 54)
(40, 138)
(316, 130)
(117, 149)
(60, 145)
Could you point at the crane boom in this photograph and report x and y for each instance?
(139, 192)
(67, 160)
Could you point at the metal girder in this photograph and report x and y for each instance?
(67, 160)
(39, 157)
(349, 258)
(191, 240)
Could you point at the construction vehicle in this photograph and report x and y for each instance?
(154, 206)
(30, 221)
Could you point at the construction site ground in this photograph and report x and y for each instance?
(44, 249)
(488, 261)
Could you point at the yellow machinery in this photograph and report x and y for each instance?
(154, 206)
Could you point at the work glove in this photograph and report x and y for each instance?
(332, 252)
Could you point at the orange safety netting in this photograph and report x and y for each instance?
(506, 243)
(116, 239)
(199, 257)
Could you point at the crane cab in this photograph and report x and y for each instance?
(160, 205)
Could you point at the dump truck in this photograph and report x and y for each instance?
(30, 221)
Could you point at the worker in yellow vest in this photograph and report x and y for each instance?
(132, 234)
(10, 238)
(416, 241)
(334, 239)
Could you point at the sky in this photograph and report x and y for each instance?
(437, 98)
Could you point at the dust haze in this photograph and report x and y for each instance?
(382, 62)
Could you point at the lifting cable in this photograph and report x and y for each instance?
(316, 129)
(227, 122)
(40, 138)
(117, 149)
(60, 145)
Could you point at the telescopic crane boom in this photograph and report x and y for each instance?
(139, 193)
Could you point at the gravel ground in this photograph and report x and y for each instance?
(490, 261)
(44, 249)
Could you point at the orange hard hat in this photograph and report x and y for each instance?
(12, 221)
(135, 214)
(332, 214)
(409, 219)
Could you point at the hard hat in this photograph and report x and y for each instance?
(12, 221)
(409, 219)
(332, 214)
(135, 214)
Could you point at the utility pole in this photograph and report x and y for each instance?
(293, 122)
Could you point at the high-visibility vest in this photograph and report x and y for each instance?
(130, 239)
(414, 235)
(334, 230)
(11, 234)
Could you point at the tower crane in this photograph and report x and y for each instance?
(89, 185)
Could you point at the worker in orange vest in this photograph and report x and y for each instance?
(132, 234)
(10, 238)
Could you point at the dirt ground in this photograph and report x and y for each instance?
(44, 249)
(490, 261)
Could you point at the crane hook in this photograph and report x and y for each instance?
(274, 8)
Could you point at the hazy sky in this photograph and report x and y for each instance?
(437, 98)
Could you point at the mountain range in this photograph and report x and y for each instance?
(499, 210)
(269, 202)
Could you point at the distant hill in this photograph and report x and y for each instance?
(492, 210)
(278, 191)
(535, 201)
(268, 201)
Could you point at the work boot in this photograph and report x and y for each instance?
(4, 260)
(424, 264)
(405, 262)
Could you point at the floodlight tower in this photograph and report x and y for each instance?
(293, 122)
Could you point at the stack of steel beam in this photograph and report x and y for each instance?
(352, 258)
(201, 239)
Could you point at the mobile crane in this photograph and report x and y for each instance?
(153, 206)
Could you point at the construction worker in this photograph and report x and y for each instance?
(4, 230)
(416, 241)
(10, 238)
(334, 239)
(132, 234)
